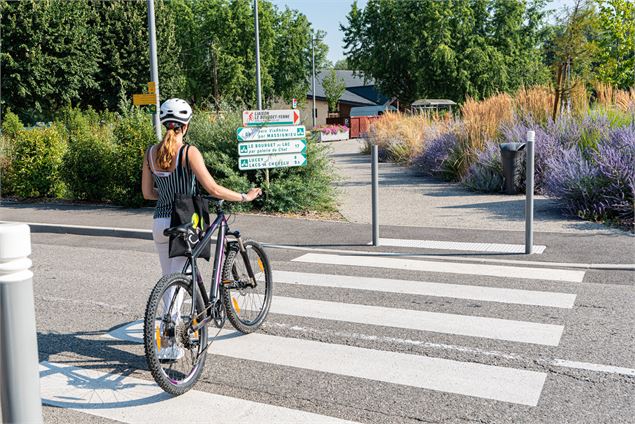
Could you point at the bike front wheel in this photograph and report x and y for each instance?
(175, 351)
(247, 290)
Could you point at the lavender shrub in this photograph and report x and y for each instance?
(596, 183)
(431, 160)
(486, 173)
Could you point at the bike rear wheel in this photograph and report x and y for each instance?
(247, 307)
(175, 354)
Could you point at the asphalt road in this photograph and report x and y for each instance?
(403, 356)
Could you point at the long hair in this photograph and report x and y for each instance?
(166, 153)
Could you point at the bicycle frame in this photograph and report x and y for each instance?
(220, 224)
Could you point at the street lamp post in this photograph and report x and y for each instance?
(258, 88)
(154, 67)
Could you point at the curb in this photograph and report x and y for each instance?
(82, 230)
(133, 233)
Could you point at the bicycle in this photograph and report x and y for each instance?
(178, 312)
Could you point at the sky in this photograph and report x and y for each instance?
(328, 14)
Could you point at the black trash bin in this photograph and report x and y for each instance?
(513, 156)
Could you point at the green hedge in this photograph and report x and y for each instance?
(84, 155)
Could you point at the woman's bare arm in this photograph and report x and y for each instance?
(147, 184)
(209, 184)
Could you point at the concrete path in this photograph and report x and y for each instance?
(409, 199)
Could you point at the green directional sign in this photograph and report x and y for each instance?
(270, 133)
(271, 161)
(254, 148)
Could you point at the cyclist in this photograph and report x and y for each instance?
(163, 177)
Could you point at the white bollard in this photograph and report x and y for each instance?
(19, 367)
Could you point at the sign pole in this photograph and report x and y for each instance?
(154, 68)
(258, 87)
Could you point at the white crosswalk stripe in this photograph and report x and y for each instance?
(133, 400)
(552, 274)
(423, 288)
(473, 379)
(491, 328)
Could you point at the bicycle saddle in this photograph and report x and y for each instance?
(179, 229)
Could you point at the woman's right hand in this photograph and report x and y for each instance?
(253, 194)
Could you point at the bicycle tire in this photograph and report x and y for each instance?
(149, 336)
(233, 272)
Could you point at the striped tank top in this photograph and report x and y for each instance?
(181, 180)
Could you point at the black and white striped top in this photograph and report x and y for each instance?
(181, 180)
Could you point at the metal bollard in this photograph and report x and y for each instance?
(19, 369)
(375, 193)
(529, 202)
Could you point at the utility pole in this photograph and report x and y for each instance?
(258, 87)
(154, 67)
(313, 78)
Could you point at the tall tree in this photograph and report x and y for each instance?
(617, 42)
(333, 89)
(48, 55)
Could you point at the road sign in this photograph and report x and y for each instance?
(271, 147)
(271, 161)
(258, 118)
(152, 87)
(294, 103)
(144, 99)
(270, 133)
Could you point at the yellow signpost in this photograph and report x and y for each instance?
(146, 99)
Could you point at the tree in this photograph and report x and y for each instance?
(617, 43)
(333, 88)
(341, 65)
(47, 58)
(453, 49)
(573, 48)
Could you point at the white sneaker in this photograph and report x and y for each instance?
(172, 353)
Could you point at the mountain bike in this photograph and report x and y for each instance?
(179, 309)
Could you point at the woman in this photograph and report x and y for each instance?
(164, 167)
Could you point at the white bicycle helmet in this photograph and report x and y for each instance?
(175, 113)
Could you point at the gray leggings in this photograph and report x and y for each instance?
(168, 265)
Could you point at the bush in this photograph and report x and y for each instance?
(486, 174)
(36, 160)
(436, 152)
(133, 135)
(88, 162)
(599, 184)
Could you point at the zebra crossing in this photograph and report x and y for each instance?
(129, 396)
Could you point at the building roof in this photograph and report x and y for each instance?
(433, 102)
(350, 80)
(371, 110)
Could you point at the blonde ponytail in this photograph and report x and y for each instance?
(166, 153)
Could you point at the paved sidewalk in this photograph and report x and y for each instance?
(409, 199)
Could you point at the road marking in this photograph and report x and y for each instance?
(593, 367)
(423, 288)
(463, 378)
(463, 325)
(133, 332)
(446, 267)
(320, 332)
(133, 400)
(454, 258)
(454, 245)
